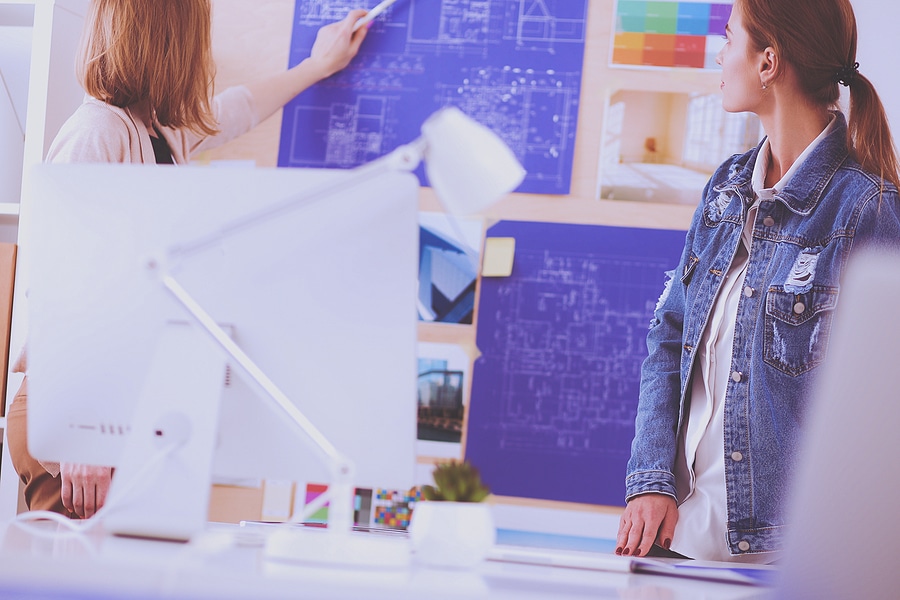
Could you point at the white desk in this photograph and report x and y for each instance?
(217, 566)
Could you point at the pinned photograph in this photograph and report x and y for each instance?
(664, 146)
(448, 268)
(442, 389)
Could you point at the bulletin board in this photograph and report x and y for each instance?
(255, 38)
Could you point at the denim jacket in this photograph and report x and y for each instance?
(801, 243)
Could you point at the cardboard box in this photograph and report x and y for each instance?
(233, 503)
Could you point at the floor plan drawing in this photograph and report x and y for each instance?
(513, 65)
(555, 390)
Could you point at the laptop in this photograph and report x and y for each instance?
(603, 561)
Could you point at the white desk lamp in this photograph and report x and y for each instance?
(469, 168)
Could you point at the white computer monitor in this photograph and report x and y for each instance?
(843, 511)
(321, 297)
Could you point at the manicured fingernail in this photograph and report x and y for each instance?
(637, 552)
(626, 551)
(619, 550)
(369, 24)
(666, 543)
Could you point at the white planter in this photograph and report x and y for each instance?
(451, 534)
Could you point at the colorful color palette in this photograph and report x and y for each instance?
(393, 509)
(669, 33)
(362, 505)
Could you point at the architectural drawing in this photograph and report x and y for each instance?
(555, 390)
(513, 65)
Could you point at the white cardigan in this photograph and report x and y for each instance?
(98, 132)
(101, 132)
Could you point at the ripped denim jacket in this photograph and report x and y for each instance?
(802, 240)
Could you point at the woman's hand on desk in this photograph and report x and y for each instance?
(84, 488)
(648, 519)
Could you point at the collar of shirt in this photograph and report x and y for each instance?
(761, 168)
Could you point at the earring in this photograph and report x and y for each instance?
(765, 86)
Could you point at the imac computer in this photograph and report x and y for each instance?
(318, 294)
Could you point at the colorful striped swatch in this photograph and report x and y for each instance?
(669, 33)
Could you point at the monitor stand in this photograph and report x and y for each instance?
(161, 485)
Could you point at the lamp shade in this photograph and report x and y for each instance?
(468, 165)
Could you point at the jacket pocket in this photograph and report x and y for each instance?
(797, 328)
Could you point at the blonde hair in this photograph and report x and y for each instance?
(153, 51)
(818, 38)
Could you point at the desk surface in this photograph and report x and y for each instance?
(222, 564)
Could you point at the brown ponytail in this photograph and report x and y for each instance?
(869, 132)
(824, 57)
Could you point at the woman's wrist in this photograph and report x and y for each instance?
(316, 69)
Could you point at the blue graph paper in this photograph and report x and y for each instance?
(555, 390)
(513, 65)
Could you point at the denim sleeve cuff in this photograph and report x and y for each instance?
(644, 482)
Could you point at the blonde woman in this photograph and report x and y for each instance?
(147, 68)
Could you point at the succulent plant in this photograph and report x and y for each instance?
(456, 481)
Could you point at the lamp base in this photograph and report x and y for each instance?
(329, 547)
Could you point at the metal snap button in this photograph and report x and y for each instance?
(743, 545)
(748, 291)
(799, 308)
(769, 221)
(737, 456)
(736, 376)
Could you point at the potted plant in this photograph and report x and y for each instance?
(452, 526)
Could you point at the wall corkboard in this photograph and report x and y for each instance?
(650, 103)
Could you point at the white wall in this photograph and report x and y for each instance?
(878, 22)
(15, 61)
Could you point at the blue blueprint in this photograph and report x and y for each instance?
(555, 390)
(513, 65)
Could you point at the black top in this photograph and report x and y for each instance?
(161, 149)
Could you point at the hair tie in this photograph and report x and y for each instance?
(847, 74)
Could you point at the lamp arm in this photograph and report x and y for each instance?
(341, 490)
(341, 466)
(404, 158)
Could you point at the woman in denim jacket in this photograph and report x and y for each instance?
(744, 321)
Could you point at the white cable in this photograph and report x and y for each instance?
(26, 519)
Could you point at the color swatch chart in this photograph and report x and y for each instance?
(555, 390)
(512, 65)
(669, 33)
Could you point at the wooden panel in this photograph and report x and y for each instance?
(233, 504)
(251, 39)
(7, 283)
